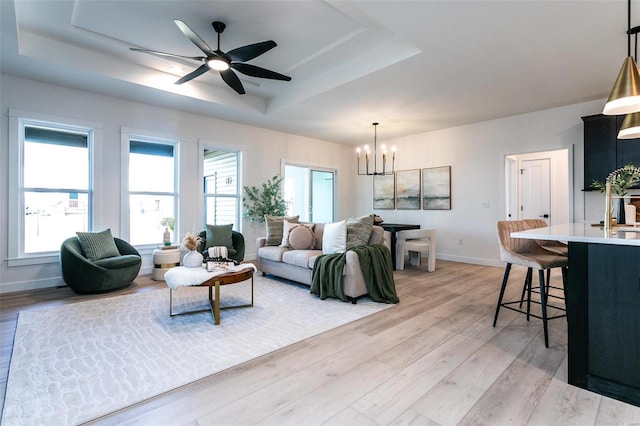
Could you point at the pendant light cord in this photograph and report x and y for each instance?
(630, 32)
(628, 27)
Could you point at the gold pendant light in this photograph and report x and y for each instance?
(625, 95)
(630, 128)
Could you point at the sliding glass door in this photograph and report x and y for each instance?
(309, 193)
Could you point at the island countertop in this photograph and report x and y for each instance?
(627, 235)
(603, 319)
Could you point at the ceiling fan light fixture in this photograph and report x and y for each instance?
(630, 128)
(218, 64)
(625, 95)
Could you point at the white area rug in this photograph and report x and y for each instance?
(76, 362)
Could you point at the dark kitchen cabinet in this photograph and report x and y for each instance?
(603, 151)
(603, 319)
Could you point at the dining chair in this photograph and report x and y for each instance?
(530, 254)
(416, 242)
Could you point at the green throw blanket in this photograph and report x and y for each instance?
(377, 269)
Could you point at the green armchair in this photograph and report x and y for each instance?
(100, 276)
(236, 253)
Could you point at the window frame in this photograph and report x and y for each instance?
(126, 136)
(237, 223)
(18, 120)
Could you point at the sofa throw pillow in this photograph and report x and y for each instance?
(359, 230)
(219, 235)
(287, 227)
(98, 245)
(274, 226)
(302, 238)
(334, 239)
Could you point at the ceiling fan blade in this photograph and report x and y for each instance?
(201, 70)
(250, 51)
(195, 38)
(170, 55)
(254, 71)
(232, 80)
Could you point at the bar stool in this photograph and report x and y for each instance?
(416, 241)
(528, 253)
(556, 247)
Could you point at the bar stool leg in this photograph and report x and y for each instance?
(529, 286)
(524, 286)
(548, 283)
(543, 306)
(564, 289)
(504, 286)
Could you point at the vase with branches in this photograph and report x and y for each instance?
(266, 200)
(193, 258)
(621, 181)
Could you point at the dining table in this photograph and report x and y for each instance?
(393, 228)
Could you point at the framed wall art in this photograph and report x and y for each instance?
(436, 188)
(383, 192)
(408, 189)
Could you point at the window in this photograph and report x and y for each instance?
(152, 188)
(221, 188)
(55, 195)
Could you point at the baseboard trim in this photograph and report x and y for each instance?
(146, 270)
(31, 285)
(471, 260)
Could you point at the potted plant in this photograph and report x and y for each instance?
(266, 200)
(621, 180)
(168, 223)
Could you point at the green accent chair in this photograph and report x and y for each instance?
(236, 253)
(100, 276)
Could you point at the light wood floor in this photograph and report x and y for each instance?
(432, 359)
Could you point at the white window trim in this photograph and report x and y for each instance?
(17, 120)
(126, 134)
(210, 145)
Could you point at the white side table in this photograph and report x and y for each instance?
(163, 260)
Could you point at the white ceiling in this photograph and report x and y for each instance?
(413, 66)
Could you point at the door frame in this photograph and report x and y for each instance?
(560, 180)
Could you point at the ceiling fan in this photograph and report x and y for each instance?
(221, 61)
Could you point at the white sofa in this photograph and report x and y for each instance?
(297, 265)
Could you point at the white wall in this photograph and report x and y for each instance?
(476, 153)
(262, 150)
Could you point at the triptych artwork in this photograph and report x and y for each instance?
(429, 189)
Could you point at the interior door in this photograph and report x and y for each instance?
(536, 190)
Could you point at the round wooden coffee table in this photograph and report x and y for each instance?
(213, 283)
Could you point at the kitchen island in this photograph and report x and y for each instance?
(603, 306)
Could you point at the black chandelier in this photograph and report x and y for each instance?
(368, 154)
